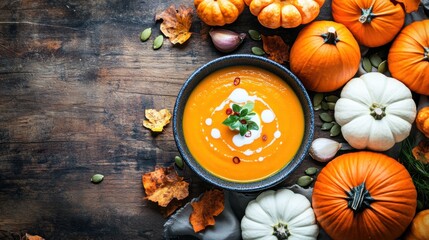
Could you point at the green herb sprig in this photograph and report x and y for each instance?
(240, 118)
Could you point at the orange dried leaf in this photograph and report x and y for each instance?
(176, 23)
(163, 185)
(156, 120)
(276, 48)
(210, 205)
(421, 151)
(33, 237)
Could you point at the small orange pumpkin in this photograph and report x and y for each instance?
(419, 228)
(408, 58)
(287, 14)
(324, 56)
(372, 22)
(219, 12)
(422, 121)
(364, 195)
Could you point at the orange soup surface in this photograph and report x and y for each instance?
(259, 153)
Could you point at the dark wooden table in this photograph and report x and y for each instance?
(75, 80)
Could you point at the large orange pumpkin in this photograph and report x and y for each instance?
(364, 195)
(324, 56)
(288, 14)
(408, 57)
(372, 22)
(219, 12)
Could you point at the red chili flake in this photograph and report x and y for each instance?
(264, 137)
(243, 121)
(248, 134)
(236, 160)
(236, 81)
(228, 111)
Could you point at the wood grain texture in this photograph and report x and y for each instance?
(74, 82)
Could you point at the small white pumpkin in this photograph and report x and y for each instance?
(375, 112)
(280, 214)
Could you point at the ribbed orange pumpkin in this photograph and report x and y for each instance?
(364, 195)
(324, 56)
(408, 58)
(287, 14)
(372, 22)
(219, 12)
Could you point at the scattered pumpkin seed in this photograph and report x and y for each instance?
(311, 171)
(255, 35)
(324, 106)
(366, 64)
(332, 98)
(382, 67)
(317, 99)
(157, 43)
(97, 178)
(375, 60)
(304, 181)
(317, 107)
(258, 51)
(326, 117)
(335, 130)
(179, 162)
(144, 36)
(327, 126)
(331, 105)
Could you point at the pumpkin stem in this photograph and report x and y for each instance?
(366, 16)
(359, 198)
(426, 53)
(331, 36)
(281, 231)
(377, 111)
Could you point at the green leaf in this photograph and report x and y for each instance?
(236, 108)
(251, 125)
(244, 112)
(251, 114)
(249, 106)
(235, 125)
(228, 121)
(243, 129)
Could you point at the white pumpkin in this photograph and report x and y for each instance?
(375, 112)
(280, 214)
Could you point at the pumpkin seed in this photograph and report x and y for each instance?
(335, 130)
(311, 171)
(157, 43)
(255, 35)
(318, 107)
(179, 162)
(97, 178)
(382, 67)
(327, 126)
(331, 105)
(332, 98)
(258, 51)
(325, 105)
(304, 181)
(375, 60)
(317, 99)
(326, 117)
(144, 36)
(366, 64)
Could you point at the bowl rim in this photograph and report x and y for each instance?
(242, 60)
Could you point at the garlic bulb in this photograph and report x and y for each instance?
(324, 149)
(225, 40)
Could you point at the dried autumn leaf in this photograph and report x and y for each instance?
(421, 151)
(163, 185)
(276, 48)
(176, 23)
(33, 237)
(210, 205)
(156, 120)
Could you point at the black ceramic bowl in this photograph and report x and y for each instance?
(250, 60)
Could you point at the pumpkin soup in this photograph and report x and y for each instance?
(243, 145)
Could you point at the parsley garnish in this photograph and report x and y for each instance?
(239, 119)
